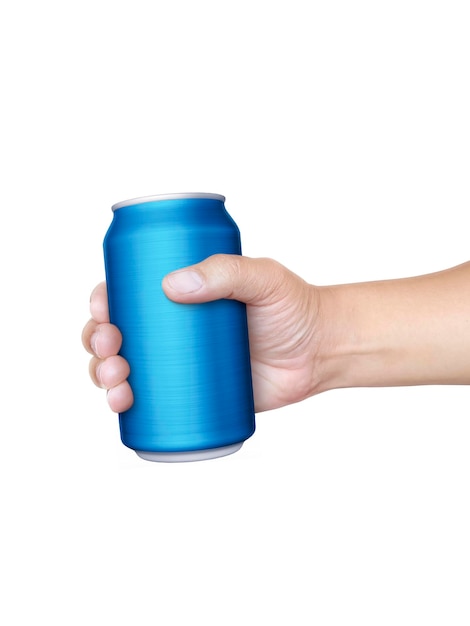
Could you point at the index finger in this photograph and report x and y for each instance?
(99, 304)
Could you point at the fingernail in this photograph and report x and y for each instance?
(185, 281)
(94, 344)
(98, 374)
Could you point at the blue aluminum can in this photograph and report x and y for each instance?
(189, 363)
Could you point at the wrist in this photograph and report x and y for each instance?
(352, 350)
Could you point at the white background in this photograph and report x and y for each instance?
(339, 133)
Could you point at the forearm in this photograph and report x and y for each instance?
(413, 331)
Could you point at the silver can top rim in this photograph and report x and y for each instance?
(168, 196)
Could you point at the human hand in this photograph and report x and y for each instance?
(103, 340)
(282, 314)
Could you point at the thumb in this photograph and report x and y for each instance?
(226, 276)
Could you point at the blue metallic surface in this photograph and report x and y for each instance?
(190, 363)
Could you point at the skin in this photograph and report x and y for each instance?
(306, 339)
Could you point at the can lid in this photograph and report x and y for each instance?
(168, 196)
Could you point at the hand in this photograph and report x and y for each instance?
(282, 314)
(103, 340)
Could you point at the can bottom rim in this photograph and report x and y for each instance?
(191, 455)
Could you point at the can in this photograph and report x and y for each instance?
(190, 366)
